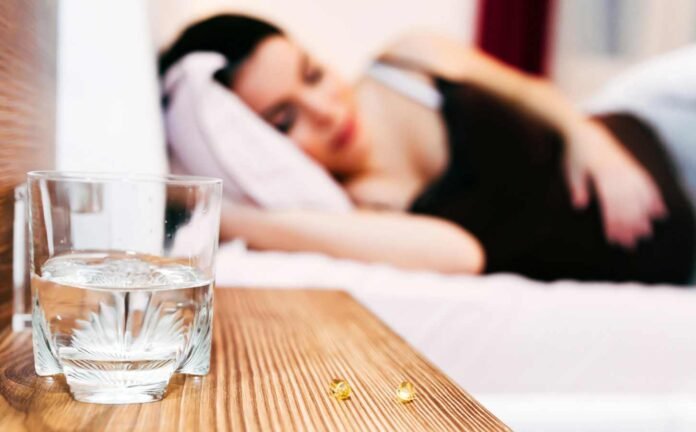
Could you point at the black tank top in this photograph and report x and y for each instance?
(505, 184)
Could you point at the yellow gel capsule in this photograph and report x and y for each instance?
(340, 389)
(405, 392)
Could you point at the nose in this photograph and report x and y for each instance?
(321, 108)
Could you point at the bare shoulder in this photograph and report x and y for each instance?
(435, 52)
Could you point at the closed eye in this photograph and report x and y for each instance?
(284, 118)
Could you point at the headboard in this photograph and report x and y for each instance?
(27, 112)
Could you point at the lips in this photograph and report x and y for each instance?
(345, 134)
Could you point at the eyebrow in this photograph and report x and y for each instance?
(283, 104)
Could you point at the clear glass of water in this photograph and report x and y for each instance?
(122, 270)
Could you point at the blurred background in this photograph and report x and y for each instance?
(108, 48)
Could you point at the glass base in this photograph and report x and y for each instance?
(118, 395)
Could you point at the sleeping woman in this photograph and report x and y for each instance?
(455, 163)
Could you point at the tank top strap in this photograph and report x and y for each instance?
(397, 78)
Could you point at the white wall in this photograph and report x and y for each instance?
(344, 33)
(108, 116)
(595, 40)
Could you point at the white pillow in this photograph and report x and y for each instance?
(212, 132)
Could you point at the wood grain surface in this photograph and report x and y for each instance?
(275, 353)
(27, 112)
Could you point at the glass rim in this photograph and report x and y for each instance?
(116, 177)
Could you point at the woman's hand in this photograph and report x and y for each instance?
(628, 196)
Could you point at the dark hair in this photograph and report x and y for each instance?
(233, 36)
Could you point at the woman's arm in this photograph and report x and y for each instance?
(457, 62)
(629, 197)
(415, 242)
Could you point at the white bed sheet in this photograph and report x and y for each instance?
(558, 356)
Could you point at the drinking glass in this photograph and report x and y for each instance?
(122, 270)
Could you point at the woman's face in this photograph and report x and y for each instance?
(308, 103)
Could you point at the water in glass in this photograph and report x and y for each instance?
(118, 325)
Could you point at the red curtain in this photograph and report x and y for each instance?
(516, 31)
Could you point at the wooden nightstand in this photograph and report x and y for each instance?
(274, 355)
